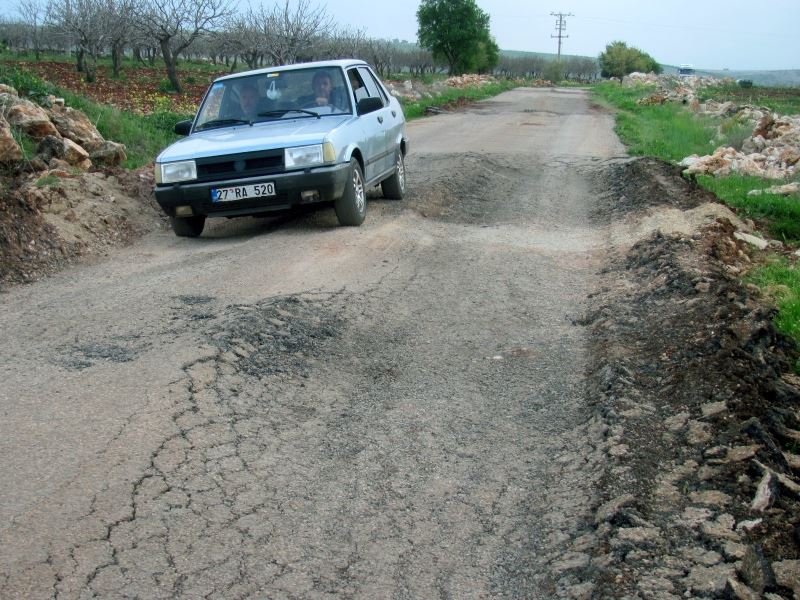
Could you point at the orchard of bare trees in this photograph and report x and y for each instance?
(256, 35)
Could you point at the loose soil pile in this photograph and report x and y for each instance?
(695, 386)
(49, 220)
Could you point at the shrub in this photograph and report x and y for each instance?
(619, 60)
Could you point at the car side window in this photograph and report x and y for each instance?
(381, 90)
(373, 90)
(359, 90)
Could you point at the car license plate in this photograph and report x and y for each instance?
(242, 192)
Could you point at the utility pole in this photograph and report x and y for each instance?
(561, 26)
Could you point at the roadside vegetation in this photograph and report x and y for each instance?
(671, 132)
(144, 135)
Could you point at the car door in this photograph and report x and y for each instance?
(382, 119)
(394, 122)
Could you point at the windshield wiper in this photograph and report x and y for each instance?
(280, 113)
(221, 122)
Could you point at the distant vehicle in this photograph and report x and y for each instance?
(276, 138)
(685, 71)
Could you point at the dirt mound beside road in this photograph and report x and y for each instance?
(49, 219)
(694, 383)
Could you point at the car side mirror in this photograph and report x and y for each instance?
(183, 127)
(368, 105)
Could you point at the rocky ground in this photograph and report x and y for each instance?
(695, 386)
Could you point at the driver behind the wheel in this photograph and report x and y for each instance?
(322, 85)
(324, 94)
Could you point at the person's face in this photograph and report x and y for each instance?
(322, 87)
(248, 99)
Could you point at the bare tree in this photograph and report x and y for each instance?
(247, 34)
(291, 34)
(87, 20)
(379, 54)
(33, 13)
(175, 24)
(119, 18)
(341, 43)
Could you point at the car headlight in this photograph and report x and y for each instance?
(176, 171)
(303, 156)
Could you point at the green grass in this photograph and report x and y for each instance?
(47, 181)
(416, 109)
(780, 280)
(666, 131)
(780, 214)
(670, 132)
(144, 136)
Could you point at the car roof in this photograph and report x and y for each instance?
(343, 64)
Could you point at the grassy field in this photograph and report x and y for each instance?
(671, 132)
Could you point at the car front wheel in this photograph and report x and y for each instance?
(394, 188)
(188, 226)
(351, 208)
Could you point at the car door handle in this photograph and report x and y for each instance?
(394, 114)
(380, 119)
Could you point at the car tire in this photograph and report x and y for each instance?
(394, 188)
(188, 226)
(351, 208)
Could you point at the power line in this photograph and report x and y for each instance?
(561, 26)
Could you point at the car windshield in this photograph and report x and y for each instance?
(268, 96)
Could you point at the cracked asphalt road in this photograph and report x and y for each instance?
(289, 409)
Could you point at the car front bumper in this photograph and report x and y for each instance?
(328, 182)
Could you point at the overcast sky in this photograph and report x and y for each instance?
(710, 34)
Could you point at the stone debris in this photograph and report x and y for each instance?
(9, 148)
(709, 580)
(766, 493)
(66, 135)
(610, 509)
(780, 190)
(27, 117)
(710, 498)
(753, 240)
(771, 152)
(672, 88)
(755, 570)
(739, 591)
(787, 574)
(462, 81)
(785, 481)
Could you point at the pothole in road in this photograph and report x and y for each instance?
(465, 188)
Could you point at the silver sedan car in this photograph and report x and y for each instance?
(272, 139)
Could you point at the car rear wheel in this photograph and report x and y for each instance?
(188, 226)
(394, 188)
(351, 208)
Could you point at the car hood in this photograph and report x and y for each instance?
(244, 138)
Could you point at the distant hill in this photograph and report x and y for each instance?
(545, 55)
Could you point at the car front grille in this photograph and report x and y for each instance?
(240, 165)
